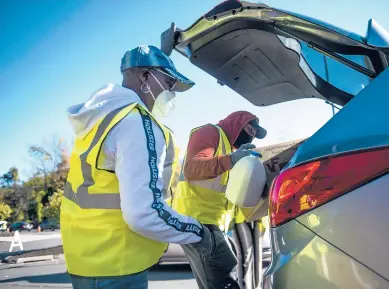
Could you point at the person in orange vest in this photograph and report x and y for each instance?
(212, 152)
(115, 223)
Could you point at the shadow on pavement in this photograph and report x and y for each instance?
(59, 278)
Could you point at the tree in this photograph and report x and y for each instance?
(51, 165)
(5, 211)
(39, 195)
(12, 193)
(10, 178)
(54, 207)
(44, 162)
(59, 175)
(35, 208)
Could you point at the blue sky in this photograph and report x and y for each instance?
(56, 53)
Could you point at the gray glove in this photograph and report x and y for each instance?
(243, 151)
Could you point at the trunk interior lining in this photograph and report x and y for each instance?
(256, 64)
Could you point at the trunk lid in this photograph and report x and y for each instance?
(270, 56)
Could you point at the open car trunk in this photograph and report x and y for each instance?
(269, 56)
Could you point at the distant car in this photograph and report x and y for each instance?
(20, 226)
(50, 224)
(3, 226)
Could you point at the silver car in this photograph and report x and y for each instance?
(328, 208)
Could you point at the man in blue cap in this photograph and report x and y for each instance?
(115, 223)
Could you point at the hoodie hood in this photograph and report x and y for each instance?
(84, 116)
(233, 124)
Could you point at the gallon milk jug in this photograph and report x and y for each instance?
(246, 181)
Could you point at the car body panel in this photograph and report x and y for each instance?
(362, 123)
(282, 252)
(355, 220)
(302, 260)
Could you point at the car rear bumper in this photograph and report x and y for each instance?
(301, 259)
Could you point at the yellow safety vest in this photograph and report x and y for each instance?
(205, 200)
(97, 242)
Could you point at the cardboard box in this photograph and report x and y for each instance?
(274, 158)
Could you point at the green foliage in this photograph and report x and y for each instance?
(39, 212)
(39, 196)
(35, 211)
(10, 178)
(5, 211)
(20, 216)
(54, 207)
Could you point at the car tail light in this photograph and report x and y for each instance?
(300, 189)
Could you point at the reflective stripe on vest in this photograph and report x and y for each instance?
(112, 200)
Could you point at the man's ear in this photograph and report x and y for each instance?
(144, 75)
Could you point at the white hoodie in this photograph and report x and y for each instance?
(126, 153)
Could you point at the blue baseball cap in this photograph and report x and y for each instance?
(152, 57)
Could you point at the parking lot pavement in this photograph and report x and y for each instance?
(33, 236)
(55, 276)
(45, 275)
(32, 241)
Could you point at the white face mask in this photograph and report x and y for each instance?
(164, 102)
